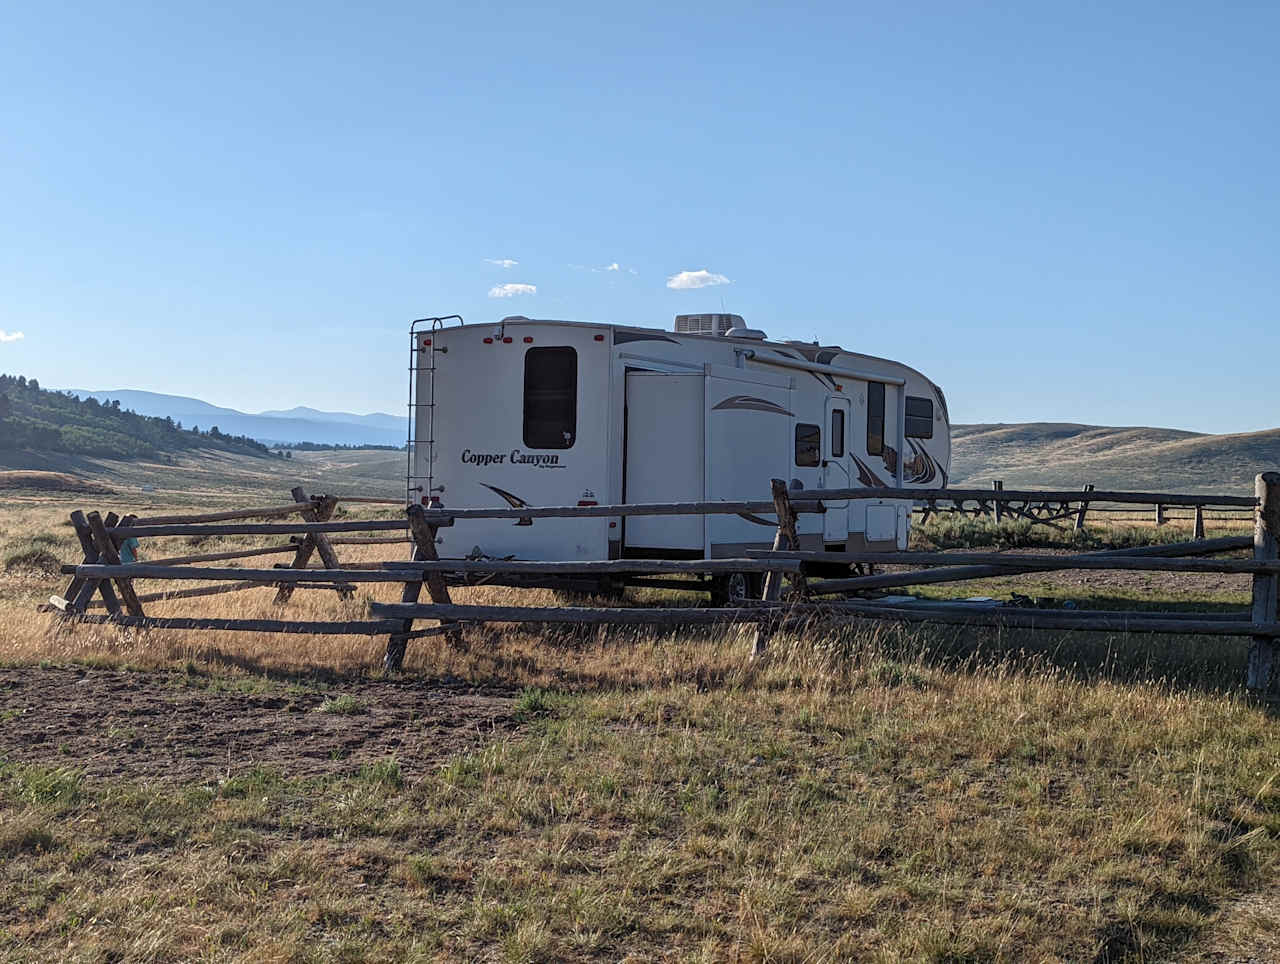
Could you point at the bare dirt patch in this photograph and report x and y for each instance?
(175, 728)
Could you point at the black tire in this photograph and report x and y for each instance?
(731, 588)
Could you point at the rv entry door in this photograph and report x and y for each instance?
(835, 469)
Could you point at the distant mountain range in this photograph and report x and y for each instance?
(299, 424)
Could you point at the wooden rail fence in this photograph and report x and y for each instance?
(106, 576)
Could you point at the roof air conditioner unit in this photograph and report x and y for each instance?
(710, 324)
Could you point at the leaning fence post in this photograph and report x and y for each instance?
(1084, 507)
(1266, 530)
(314, 542)
(77, 595)
(785, 538)
(424, 537)
(996, 505)
(110, 556)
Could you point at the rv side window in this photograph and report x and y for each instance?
(919, 417)
(875, 418)
(837, 433)
(808, 445)
(550, 398)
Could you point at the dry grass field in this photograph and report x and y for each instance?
(867, 793)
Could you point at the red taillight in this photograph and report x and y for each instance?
(528, 340)
(427, 342)
(587, 502)
(488, 341)
(613, 525)
(507, 340)
(599, 337)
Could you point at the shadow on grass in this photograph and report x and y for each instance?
(589, 659)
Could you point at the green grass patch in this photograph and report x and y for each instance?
(383, 773)
(344, 705)
(534, 702)
(41, 785)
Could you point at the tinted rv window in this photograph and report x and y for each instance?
(837, 433)
(875, 418)
(550, 398)
(919, 417)
(808, 445)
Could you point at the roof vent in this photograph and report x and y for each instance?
(754, 334)
(712, 324)
(514, 318)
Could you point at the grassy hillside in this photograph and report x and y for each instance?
(1043, 454)
(200, 477)
(37, 420)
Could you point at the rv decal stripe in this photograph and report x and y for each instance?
(750, 403)
(923, 467)
(512, 500)
(867, 477)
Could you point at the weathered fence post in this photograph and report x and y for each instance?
(1084, 507)
(314, 542)
(1159, 515)
(1198, 532)
(110, 556)
(424, 537)
(1266, 530)
(77, 595)
(785, 538)
(996, 504)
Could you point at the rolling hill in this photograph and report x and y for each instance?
(1052, 454)
(35, 421)
(272, 428)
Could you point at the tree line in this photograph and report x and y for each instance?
(32, 417)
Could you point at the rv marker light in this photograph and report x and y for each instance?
(599, 337)
(587, 502)
(426, 341)
(528, 340)
(488, 341)
(507, 340)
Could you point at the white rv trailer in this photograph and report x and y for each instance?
(539, 412)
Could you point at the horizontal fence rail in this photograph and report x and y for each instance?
(106, 577)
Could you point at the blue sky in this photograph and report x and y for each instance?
(1064, 212)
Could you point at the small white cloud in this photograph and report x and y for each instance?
(696, 279)
(502, 262)
(613, 267)
(7, 336)
(511, 290)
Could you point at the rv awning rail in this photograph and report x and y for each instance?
(807, 366)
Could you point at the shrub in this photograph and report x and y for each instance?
(33, 559)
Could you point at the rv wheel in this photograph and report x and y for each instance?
(732, 588)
